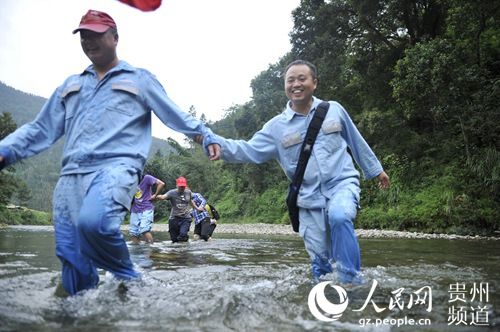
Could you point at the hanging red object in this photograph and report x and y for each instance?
(144, 5)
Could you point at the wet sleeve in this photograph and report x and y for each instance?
(259, 149)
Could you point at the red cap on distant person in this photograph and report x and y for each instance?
(96, 21)
(181, 182)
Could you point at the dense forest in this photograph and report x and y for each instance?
(421, 81)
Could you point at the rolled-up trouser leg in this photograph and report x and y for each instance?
(103, 211)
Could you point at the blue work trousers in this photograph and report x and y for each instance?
(329, 235)
(88, 212)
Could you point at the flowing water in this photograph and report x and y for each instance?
(254, 283)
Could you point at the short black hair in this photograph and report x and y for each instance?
(302, 62)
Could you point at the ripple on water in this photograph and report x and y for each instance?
(222, 285)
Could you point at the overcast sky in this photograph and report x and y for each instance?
(205, 53)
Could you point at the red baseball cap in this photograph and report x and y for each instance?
(96, 21)
(181, 182)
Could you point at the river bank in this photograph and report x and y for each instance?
(274, 229)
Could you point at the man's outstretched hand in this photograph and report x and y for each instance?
(214, 152)
(213, 149)
(383, 180)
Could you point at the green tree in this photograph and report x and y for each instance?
(7, 179)
(9, 185)
(7, 125)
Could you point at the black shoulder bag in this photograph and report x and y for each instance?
(305, 153)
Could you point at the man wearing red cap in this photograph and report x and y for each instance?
(181, 200)
(105, 115)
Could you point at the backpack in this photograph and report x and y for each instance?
(213, 210)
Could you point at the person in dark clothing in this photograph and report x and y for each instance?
(203, 225)
(180, 215)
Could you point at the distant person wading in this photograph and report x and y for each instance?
(180, 215)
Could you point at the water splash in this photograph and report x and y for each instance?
(244, 284)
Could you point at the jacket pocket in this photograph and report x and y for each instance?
(332, 135)
(292, 143)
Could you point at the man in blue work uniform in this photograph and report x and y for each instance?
(329, 195)
(105, 115)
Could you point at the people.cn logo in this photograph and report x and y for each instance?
(321, 307)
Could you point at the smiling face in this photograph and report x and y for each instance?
(300, 84)
(100, 48)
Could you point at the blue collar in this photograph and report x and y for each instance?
(121, 66)
(289, 113)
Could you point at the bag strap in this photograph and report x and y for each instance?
(307, 145)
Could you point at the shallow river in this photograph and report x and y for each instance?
(255, 283)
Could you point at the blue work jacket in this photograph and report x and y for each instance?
(104, 121)
(330, 164)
